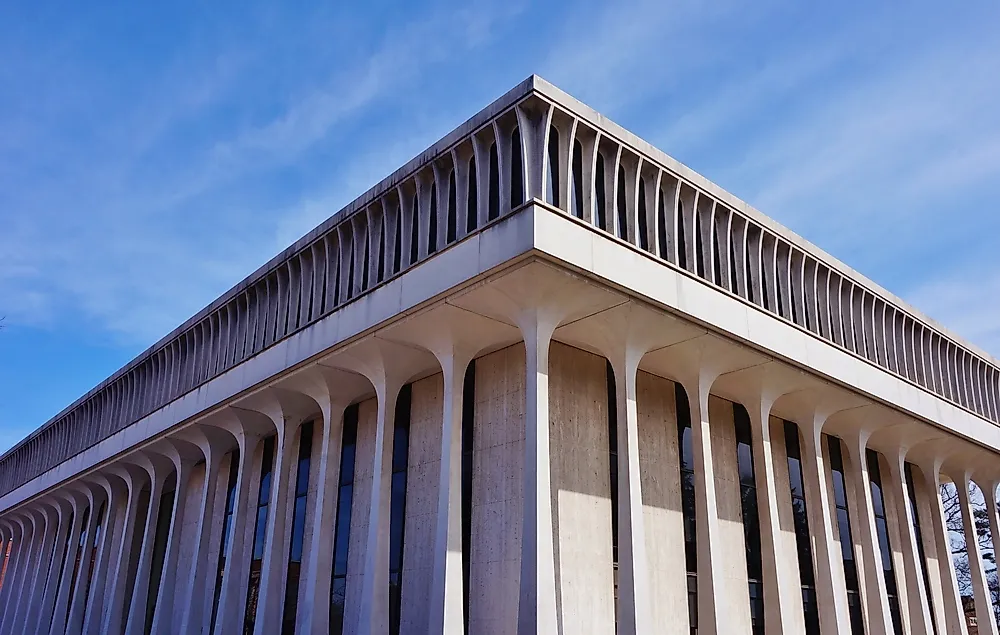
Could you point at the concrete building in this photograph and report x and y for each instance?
(541, 379)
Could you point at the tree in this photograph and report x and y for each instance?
(959, 548)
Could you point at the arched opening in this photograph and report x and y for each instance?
(432, 231)
(472, 205)
(577, 191)
(452, 228)
(641, 219)
(494, 193)
(622, 205)
(600, 199)
(516, 170)
(552, 184)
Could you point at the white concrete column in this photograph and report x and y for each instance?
(6, 541)
(831, 586)
(15, 569)
(51, 586)
(955, 614)
(990, 494)
(78, 597)
(188, 610)
(980, 587)
(230, 612)
(910, 578)
(333, 390)
(537, 605)
(159, 469)
(65, 596)
(117, 496)
(170, 577)
(879, 617)
(46, 557)
(274, 563)
(120, 584)
(31, 572)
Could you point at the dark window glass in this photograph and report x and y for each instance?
(803, 541)
(350, 272)
(622, 205)
(552, 185)
(102, 519)
(494, 209)
(716, 258)
(82, 544)
(380, 272)
(364, 261)
(699, 245)
(912, 495)
(881, 528)
(749, 274)
(468, 430)
(259, 535)
(661, 229)
(751, 518)
(298, 529)
(682, 259)
(397, 504)
(516, 170)
(846, 539)
(688, 501)
(612, 405)
(641, 217)
(472, 202)
(577, 190)
(452, 227)
(433, 221)
(397, 257)
(342, 529)
(415, 230)
(227, 529)
(62, 565)
(600, 200)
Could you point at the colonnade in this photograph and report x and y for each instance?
(164, 538)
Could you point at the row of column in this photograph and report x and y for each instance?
(49, 586)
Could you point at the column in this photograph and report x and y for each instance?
(782, 594)
(65, 594)
(911, 577)
(15, 568)
(230, 614)
(117, 497)
(447, 611)
(373, 616)
(31, 571)
(955, 622)
(274, 564)
(170, 577)
(879, 617)
(634, 609)
(120, 584)
(990, 494)
(51, 587)
(158, 471)
(78, 595)
(980, 587)
(43, 565)
(537, 604)
(189, 609)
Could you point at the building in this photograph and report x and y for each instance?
(541, 379)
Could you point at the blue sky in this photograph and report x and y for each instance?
(152, 156)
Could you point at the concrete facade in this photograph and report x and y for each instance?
(547, 497)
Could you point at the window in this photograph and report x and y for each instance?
(846, 539)
(516, 170)
(451, 233)
(600, 200)
(699, 244)
(682, 260)
(577, 191)
(342, 528)
(882, 528)
(82, 545)
(914, 510)
(160, 537)
(414, 230)
(803, 541)
(397, 504)
(468, 465)
(259, 534)
(62, 565)
(380, 270)
(552, 184)
(612, 405)
(684, 433)
(298, 529)
(622, 204)
(227, 532)
(751, 517)
(641, 218)
(661, 229)
(102, 519)
(432, 221)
